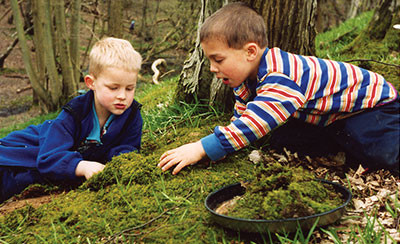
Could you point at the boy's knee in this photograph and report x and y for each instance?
(385, 159)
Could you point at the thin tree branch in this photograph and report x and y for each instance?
(371, 60)
(139, 226)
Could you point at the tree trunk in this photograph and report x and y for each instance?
(52, 53)
(75, 24)
(196, 82)
(290, 24)
(42, 93)
(115, 20)
(38, 23)
(69, 84)
(359, 6)
(54, 81)
(380, 26)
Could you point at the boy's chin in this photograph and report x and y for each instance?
(118, 112)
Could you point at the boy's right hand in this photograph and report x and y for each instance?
(182, 156)
(88, 168)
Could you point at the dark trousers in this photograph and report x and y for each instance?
(371, 138)
(13, 180)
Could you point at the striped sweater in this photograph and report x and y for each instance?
(314, 90)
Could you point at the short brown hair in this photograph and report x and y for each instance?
(112, 52)
(237, 24)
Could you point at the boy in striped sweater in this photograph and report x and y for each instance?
(313, 101)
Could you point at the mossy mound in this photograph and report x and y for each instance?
(280, 192)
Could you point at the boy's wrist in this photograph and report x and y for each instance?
(212, 147)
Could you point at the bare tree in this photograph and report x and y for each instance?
(53, 52)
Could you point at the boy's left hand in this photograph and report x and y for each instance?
(182, 156)
(88, 168)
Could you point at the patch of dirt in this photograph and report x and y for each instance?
(15, 92)
(34, 202)
(34, 196)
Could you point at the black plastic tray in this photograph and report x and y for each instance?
(214, 199)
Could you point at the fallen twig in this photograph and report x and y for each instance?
(371, 60)
(113, 237)
(24, 88)
(154, 68)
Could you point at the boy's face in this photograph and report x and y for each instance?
(114, 90)
(232, 66)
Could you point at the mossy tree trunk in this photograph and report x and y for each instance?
(359, 6)
(290, 26)
(380, 27)
(196, 81)
(52, 52)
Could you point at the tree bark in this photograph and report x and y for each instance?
(115, 20)
(74, 38)
(196, 82)
(54, 81)
(290, 24)
(69, 84)
(42, 93)
(52, 51)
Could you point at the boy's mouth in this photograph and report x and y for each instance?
(120, 106)
(225, 81)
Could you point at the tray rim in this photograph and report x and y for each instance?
(347, 200)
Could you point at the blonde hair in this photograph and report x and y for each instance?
(236, 24)
(112, 52)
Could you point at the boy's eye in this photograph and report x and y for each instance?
(129, 88)
(218, 60)
(113, 88)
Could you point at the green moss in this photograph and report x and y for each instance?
(280, 192)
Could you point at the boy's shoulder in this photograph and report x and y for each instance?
(80, 106)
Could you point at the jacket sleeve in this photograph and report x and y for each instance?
(278, 97)
(131, 139)
(55, 161)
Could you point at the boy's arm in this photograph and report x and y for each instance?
(55, 159)
(278, 97)
(131, 140)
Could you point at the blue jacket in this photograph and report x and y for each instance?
(55, 147)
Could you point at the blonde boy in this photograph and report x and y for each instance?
(318, 101)
(88, 132)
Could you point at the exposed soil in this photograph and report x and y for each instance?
(15, 92)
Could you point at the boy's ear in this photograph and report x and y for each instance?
(89, 81)
(252, 50)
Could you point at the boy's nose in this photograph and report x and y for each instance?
(213, 68)
(121, 94)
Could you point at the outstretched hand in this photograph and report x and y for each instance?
(182, 156)
(88, 168)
